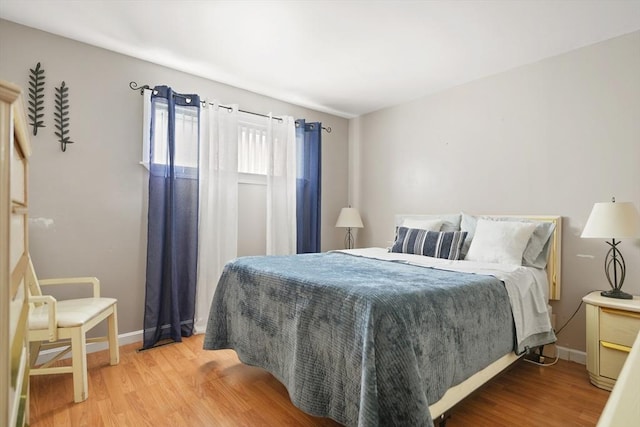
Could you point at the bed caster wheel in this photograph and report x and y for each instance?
(442, 420)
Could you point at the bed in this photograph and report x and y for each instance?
(394, 336)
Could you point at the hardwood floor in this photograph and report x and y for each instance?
(183, 385)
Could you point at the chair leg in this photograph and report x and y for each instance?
(114, 350)
(79, 365)
(34, 352)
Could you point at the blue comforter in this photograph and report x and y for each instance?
(362, 341)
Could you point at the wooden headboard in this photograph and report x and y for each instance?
(554, 264)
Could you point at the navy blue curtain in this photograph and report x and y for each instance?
(308, 191)
(173, 222)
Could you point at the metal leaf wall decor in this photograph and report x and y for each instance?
(60, 116)
(36, 89)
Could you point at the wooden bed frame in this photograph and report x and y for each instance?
(457, 393)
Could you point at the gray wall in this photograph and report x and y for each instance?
(88, 205)
(552, 137)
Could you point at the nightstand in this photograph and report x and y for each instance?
(612, 327)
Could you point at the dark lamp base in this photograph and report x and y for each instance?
(616, 293)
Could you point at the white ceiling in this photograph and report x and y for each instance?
(342, 57)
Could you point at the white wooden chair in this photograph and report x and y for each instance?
(64, 323)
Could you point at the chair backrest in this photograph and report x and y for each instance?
(33, 287)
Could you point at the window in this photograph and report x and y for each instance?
(253, 151)
(187, 134)
(255, 156)
(252, 148)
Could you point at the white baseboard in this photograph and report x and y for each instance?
(572, 355)
(564, 353)
(123, 339)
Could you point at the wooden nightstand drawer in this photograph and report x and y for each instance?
(612, 357)
(612, 327)
(619, 327)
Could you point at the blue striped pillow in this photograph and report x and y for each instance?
(437, 244)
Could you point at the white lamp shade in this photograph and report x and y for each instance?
(349, 218)
(613, 220)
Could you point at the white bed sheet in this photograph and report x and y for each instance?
(527, 287)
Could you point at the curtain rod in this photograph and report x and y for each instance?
(134, 86)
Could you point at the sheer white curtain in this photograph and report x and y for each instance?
(281, 186)
(218, 206)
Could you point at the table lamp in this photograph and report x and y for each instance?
(611, 220)
(349, 218)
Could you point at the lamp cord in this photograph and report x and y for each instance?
(570, 318)
(574, 313)
(542, 357)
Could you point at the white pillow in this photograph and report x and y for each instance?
(450, 222)
(537, 250)
(501, 242)
(423, 224)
